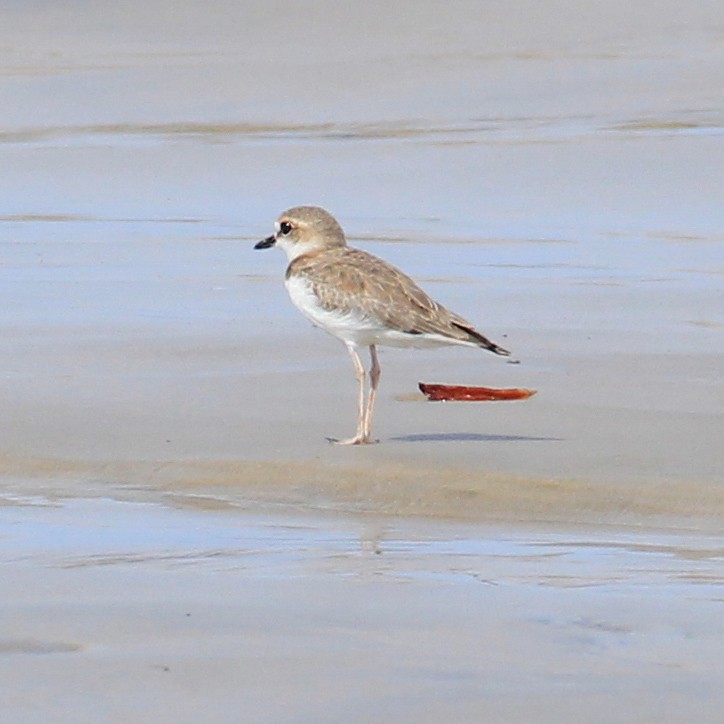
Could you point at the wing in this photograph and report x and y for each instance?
(356, 282)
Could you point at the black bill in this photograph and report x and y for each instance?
(265, 243)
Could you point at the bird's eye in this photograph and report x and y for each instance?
(285, 227)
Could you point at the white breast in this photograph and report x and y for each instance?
(354, 326)
(349, 326)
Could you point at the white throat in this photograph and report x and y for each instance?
(294, 250)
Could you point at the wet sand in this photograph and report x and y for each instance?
(551, 171)
(125, 612)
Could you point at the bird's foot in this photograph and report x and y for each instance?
(356, 440)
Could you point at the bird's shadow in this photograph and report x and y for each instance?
(471, 437)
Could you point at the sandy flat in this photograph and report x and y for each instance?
(179, 540)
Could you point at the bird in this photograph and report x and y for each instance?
(361, 300)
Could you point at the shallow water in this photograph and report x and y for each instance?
(177, 611)
(65, 534)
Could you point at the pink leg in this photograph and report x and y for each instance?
(360, 437)
(374, 381)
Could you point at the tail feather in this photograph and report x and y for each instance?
(482, 340)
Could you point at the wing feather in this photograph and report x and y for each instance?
(353, 281)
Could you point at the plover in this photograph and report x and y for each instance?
(361, 299)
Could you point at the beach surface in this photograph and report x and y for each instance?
(132, 612)
(180, 539)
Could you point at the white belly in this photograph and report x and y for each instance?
(350, 326)
(355, 327)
